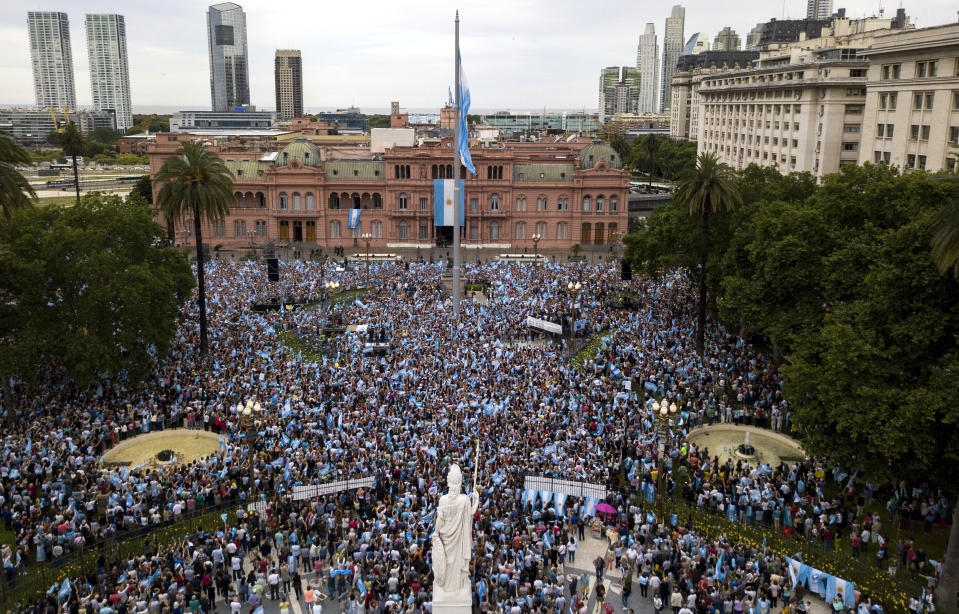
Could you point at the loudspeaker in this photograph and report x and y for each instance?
(626, 273)
(273, 269)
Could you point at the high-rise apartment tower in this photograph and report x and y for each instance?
(51, 59)
(109, 67)
(818, 9)
(289, 83)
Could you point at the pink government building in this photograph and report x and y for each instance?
(298, 194)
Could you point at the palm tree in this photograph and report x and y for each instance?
(73, 145)
(705, 189)
(15, 190)
(195, 184)
(945, 240)
(652, 145)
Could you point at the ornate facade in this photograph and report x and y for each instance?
(566, 193)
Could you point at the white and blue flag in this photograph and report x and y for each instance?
(443, 202)
(464, 137)
(354, 220)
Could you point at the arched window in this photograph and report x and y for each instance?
(434, 172)
(600, 201)
(283, 200)
(541, 229)
(240, 203)
(296, 201)
(260, 200)
(404, 201)
(494, 231)
(334, 201)
(520, 230)
(613, 204)
(494, 202)
(377, 201)
(611, 230)
(376, 229)
(404, 230)
(598, 235)
(335, 229)
(310, 203)
(585, 234)
(561, 231)
(356, 200)
(587, 204)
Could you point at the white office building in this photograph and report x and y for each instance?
(673, 40)
(647, 61)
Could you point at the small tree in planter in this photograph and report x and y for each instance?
(575, 250)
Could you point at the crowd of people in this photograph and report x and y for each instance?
(403, 418)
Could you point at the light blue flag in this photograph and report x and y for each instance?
(65, 589)
(464, 93)
(354, 219)
(443, 202)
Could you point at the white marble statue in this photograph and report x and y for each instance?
(453, 544)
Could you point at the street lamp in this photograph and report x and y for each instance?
(331, 289)
(248, 415)
(574, 288)
(663, 414)
(536, 237)
(251, 234)
(366, 237)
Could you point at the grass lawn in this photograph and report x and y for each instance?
(57, 200)
(589, 350)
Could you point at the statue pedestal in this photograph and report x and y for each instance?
(448, 608)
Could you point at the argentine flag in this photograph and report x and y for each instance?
(464, 94)
(354, 220)
(443, 202)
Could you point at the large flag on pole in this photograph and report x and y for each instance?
(354, 220)
(464, 93)
(443, 202)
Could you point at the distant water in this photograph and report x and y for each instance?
(169, 110)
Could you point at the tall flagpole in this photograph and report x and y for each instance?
(456, 177)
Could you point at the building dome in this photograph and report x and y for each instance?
(597, 153)
(300, 149)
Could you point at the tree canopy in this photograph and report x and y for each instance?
(88, 291)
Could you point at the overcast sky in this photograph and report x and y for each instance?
(518, 54)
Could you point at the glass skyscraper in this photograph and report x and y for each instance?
(229, 65)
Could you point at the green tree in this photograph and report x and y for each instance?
(378, 121)
(872, 375)
(144, 188)
(619, 144)
(708, 188)
(151, 123)
(195, 184)
(945, 240)
(15, 190)
(88, 293)
(107, 136)
(73, 144)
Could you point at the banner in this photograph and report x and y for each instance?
(443, 202)
(546, 325)
(318, 490)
